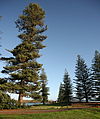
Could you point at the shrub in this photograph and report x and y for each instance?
(6, 102)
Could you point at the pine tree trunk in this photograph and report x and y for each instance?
(43, 101)
(80, 100)
(20, 99)
(86, 97)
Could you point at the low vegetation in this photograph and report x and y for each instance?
(49, 107)
(6, 102)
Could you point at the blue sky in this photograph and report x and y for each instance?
(73, 28)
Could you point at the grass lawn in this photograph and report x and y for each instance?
(71, 114)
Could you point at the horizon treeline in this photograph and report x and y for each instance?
(85, 86)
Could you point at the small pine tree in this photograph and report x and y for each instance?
(96, 75)
(23, 67)
(67, 96)
(65, 90)
(6, 102)
(60, 95)
(44, 88)
(83, 80)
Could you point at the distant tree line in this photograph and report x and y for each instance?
(86, 84)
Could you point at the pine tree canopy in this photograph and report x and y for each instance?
(83, 80)
(23, 67)
(96, 75)
(60, 95)
(44, 88)
(65, 90)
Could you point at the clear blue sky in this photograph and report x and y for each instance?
(73, 28)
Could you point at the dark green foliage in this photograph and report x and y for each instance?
(6, 102)
(83, 80)
(23, 67)
(96, 75)
(65, 91)
(44, 89)
(67, 88)
(60, 95)
(3, 83)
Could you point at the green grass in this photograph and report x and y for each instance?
(72, 114)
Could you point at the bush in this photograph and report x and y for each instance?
(6, 102)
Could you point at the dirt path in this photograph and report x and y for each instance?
(30, 111)
(27, 111)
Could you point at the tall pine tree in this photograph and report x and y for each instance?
(23, 67)
(96, 75)
(83, 80)
(44, 88)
